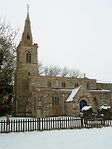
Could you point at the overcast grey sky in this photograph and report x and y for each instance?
(72, 33)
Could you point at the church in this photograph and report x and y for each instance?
(45, 96)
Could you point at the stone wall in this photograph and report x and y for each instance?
(105, 86)
(60, 82)
(101, 97)
(42, 102)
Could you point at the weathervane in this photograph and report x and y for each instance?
(27, 9)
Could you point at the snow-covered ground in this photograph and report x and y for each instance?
(13, 118)
(97, 138)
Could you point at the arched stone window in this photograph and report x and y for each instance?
(76, 84)
(49, 84)
(55, 101)
(62, 84)
(88, 86)
(28, 57)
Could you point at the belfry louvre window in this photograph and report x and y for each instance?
(28, 36)
(28, 57)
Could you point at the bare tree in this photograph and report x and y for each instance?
(40, 68)
(64, 72)
(46, 71)
(75, 73)
(54, 70)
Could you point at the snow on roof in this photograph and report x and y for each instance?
(104, 107)
(73, 94)
(100, 90)
(53, 89)
(104, 82)
(85, 108)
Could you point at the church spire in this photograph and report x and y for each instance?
(27, 34)
(27, 9)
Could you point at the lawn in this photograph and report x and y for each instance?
(97, 138)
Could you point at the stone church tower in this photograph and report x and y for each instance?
(26, 66)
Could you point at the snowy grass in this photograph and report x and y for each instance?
(14, 118)
(59, 139)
